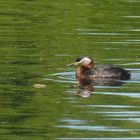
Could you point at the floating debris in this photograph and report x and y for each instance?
(39, 86)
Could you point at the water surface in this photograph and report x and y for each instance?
(38, 39)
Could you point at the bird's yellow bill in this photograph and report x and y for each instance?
(73, 64)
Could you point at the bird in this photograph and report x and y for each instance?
(87, 70)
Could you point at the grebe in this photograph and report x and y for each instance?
(88, 71)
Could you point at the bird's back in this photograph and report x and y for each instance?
(110, 71)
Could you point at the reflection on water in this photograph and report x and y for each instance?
(86, 86)
(109, 113)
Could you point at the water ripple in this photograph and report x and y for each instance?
(118, 42)
(131, 95)
(73, 122)
(112, 106)
(132, 16)
(136, 120)
(119, 113)
(129, 138)
(97, 128)
(108, 34)
(132, 63)
(135, 30)
(65, 77)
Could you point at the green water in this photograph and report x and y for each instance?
(38, 39)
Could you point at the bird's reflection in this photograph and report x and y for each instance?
(86, 86)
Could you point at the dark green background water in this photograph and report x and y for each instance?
(38, 39)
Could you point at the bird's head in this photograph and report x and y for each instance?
(85, 62)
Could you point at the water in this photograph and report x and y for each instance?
(38, 39)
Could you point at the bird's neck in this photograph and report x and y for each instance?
(84, 68)
(80, 73)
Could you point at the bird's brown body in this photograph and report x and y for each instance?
(102, 75)
(101, 71)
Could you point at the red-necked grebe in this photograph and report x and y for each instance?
(87, 70)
